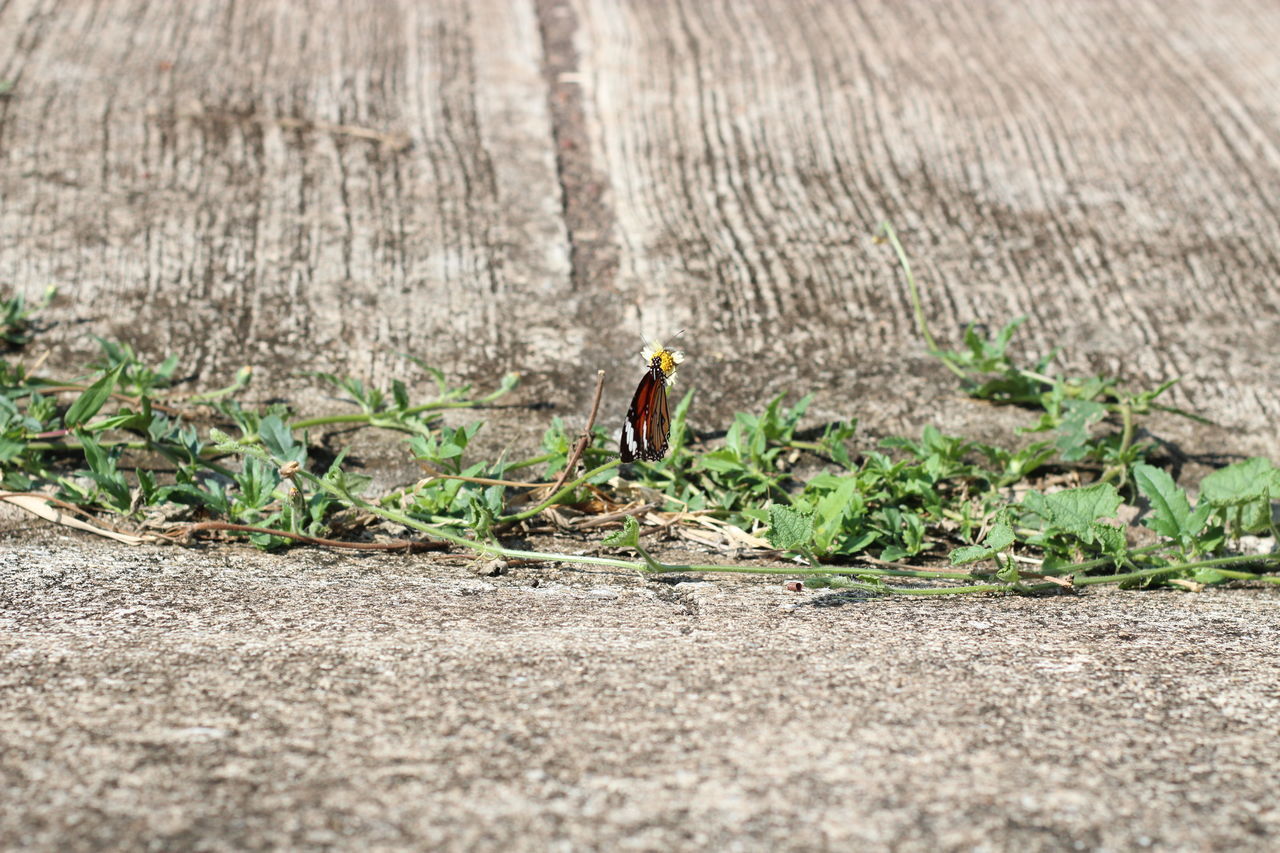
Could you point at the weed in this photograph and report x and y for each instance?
(15, 314)
(1070, 408)
(122, 442)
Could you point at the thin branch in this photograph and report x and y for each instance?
(556, 496)
(584, 440)
(611, 517)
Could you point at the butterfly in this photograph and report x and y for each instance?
(648, 425)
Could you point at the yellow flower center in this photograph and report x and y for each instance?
(664, 361)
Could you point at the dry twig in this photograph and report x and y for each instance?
(44, 506)
(584, 440)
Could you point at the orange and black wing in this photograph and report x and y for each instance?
(660, 423)
(648, 424)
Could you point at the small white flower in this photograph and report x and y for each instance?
(668, 359)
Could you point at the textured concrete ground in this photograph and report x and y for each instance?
(227, 699)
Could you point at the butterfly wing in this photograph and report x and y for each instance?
(648, 424)
(659, 423)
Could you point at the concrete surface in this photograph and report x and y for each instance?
(226, 699)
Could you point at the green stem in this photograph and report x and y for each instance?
(1236, 560)
(532, 460)
(1126, 440)
(383, 419)
(76, 447)
(564, 492)
(1248, 576)
(811, 446)
(516, 553)
(1076, 568)
(1174, 410)
(922, 325)
(641, 566)
(387, 418)
(1241, 559)
(1094, 580)
(547, 457)
(842, 570)
(1037, 377)
(175, 456)
(978, 589)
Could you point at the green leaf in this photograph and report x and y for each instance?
(103, 471)
(627, 537)
(349, 485)
(166, 368)
(140, 421)
(789, 530)
(1253, 517)
(1075, 510)
(278, 439)
(10, 448)
(1238, 484)
(969, 554)
(480, 516)
(893, 553)
(1073, 432)
(1109, 536)
(1171, 513)
(400, 394)
(679, 430)
(836, 505)
(99, 462)
(1009, 573)
(224, 443)
(1209, 576)
(257, 480)
(1000, 536)
(721, 461)
(93, 398)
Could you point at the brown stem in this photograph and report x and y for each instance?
(584, 441)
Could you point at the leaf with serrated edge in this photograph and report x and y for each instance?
(1000, 536)
(1241, 483)
(969, 554)
(1075, 510)
(627, 537)
(789, 529)
(1073, 432)
(1109, 536)
(1171, 513)
(277, 437)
